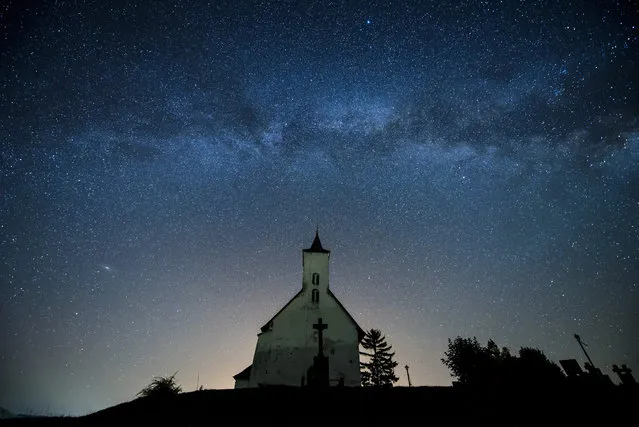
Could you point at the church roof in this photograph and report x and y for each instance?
(266, 326)
(244, 375)
(316, 246)
(360, 331)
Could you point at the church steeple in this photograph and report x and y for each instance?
(316, 246)
(315, 268)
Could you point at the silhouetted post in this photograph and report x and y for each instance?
(578, 338)
(408, 375)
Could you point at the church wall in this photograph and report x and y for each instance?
(283, 354)
(314, 262)
(341, 345)
(241, 383)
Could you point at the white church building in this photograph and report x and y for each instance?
(289, 341)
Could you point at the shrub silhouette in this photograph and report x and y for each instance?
(472, 363)
(161, 387)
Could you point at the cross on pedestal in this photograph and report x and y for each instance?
(319, 326)
(317, 373)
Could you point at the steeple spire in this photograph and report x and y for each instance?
(316, 246)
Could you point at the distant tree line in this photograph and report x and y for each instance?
(473, 364)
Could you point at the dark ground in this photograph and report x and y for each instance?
(446, 406)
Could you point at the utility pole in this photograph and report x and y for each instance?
(408, 375)
(578, 338)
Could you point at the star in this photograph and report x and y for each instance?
(458, 160)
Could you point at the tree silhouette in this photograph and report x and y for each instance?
(465, 358)
(161, 387)
(471, 363)
(379, 371)
(535, 367)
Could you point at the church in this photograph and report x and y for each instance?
(312, 340)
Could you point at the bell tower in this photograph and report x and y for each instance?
(315, 269)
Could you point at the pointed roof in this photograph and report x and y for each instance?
(267, 325)
(360, 331)
(316, 246)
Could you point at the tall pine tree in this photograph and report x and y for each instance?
(379, 370)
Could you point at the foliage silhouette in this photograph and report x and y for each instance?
(379, 371)
(471, 363)
(161, 387)
(534, 367)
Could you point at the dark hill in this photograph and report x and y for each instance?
(426, 405)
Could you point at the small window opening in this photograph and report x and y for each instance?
(315, 279)
(315, 296)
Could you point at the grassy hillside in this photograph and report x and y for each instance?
(424, 405)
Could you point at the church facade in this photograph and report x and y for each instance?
(313, 326)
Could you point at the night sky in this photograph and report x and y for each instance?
(473, 167)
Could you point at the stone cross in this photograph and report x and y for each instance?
(319, 326)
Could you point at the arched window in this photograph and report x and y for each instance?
(315, 279)
(315, 296)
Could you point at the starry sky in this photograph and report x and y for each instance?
(473, 167)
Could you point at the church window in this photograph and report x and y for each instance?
(315, 295)
(315, 279)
